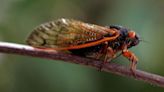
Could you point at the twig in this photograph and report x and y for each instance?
(11, 48)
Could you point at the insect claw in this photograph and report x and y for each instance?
(133, 72)
(87, 63)
(133, 68)
(100, 66)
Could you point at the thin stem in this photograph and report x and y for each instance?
(12, 48)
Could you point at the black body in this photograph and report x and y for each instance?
(115, 44)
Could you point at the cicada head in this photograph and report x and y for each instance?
(127, 36)
(133, 38)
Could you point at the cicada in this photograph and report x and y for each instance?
(86, 40)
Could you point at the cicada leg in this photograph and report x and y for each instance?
(128, 54)
(102, 51)
(108, 52)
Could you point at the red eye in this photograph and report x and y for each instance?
(131, 34)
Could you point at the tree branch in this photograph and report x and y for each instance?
(12, 48)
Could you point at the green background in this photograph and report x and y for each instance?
(28, 74)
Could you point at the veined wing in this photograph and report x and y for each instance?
(69, 34)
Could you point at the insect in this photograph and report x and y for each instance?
(84, 39)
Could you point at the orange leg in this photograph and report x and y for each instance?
(110, 54)
(102, 51)
(128, 54)
(107, 51)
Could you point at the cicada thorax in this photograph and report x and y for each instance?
(65, 33)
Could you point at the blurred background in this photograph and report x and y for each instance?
(28, 74)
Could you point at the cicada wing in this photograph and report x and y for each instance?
(68, 34)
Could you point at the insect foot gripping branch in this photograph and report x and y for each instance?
(84, 39)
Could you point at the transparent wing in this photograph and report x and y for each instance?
(65, 33)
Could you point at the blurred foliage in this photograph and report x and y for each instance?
(28, 74)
